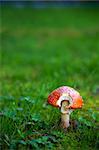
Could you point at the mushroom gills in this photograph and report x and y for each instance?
(64, 103)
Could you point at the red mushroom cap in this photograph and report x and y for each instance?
(55, 98)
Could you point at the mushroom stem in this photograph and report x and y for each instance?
(65, 120)
(65, 114)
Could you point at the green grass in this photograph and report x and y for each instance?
(42, 50)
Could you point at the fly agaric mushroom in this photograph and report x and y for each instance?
(67, 99)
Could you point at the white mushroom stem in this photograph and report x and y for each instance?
(65, 120)
(65, 114)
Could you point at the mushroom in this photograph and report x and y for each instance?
(67, 99)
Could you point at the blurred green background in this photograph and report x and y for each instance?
(42, 49)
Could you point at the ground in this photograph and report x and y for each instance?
(42, 49)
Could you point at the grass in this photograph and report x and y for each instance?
(41, 50)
